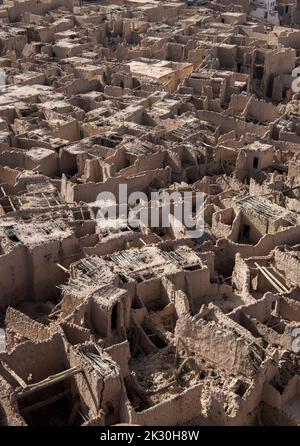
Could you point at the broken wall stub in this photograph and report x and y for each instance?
(237, 353)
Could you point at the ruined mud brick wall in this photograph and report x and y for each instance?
(149, 325)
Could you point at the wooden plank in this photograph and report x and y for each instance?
(14, 375)
(47, 402)
(63, 268)
(277, 288)
(275, 279)
(49, 381)
(11, 203)
(3, 191)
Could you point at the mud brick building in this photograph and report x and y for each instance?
(149, 325)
